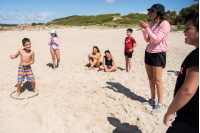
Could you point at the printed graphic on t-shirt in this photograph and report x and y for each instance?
(127, 41)
(181, 72)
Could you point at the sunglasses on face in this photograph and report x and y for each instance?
(151, 11)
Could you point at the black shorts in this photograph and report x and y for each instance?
(155, 59)
(129, 55)
(179, 126)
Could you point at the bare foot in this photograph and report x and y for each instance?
(87, 69)
(129, 72)
(124, 71)
(93, 68)
(17, 94)
(35, 91)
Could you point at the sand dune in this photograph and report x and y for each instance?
(72, 100)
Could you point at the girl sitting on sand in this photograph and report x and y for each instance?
(54, 47)
(108, 63)
(94, 58)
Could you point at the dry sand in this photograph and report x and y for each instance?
(72, 100)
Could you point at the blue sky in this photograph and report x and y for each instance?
(28, 11)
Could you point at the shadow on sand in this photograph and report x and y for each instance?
(50, 65)
(120, 68)
(87, 65)
(123, 127)
(175, 72)
(26, 86)
(117, 87)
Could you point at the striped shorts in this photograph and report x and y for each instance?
(25, 72)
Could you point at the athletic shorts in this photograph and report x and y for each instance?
(129, 55)
(179, 126)
(155, 59)
(25, 72)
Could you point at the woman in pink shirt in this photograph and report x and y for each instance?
(54, 47)
(156, 35)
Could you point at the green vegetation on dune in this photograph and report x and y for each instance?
(117, 20)
(110, 20)
(133, 18)
(84, 20)
(34, 24)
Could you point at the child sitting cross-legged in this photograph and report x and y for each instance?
(109, 64)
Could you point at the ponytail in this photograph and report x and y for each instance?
(165, 17)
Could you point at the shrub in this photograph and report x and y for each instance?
(180, 27)
(34, 24)
(130, 19)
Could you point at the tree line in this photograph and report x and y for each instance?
(180, 18)
(8, 25)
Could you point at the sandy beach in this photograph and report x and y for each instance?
(72, 100)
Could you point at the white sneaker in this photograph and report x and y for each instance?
(157, 109)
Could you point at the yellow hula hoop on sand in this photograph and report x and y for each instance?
(25, 97)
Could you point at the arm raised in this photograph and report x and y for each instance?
(56, 41)
(145, 35)
(162, 33)
(50, 41)
(143, 26)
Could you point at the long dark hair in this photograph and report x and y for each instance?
(164, 17)
(107, 51)
(97, 49)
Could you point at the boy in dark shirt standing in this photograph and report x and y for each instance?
(130, 44)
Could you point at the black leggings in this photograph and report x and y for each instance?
(182, 127)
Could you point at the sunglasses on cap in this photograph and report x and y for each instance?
(151, 11)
